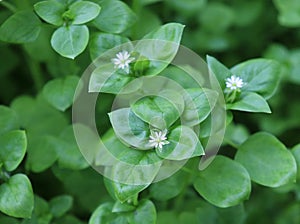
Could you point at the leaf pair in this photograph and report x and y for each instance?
(71, 38)
(159, 47)
(109, 213)
(16, 196)
(261, 78)
(261, 158)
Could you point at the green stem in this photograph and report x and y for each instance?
(4, 176)
(232, 95)
(135, 200)
(9, 6)
(36, 73)
(187, 170)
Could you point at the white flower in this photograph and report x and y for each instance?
(234, 83)
(158, 139)
(122, 60)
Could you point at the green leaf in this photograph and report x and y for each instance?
(198, 105)
(180, 76)
(102, 42)
(68, 219)
(147, 21)
(260, 75)
(107, 79)
(8, 120)
(115, 17)
(158, 111)
(83, 12)
(70, 41)
(60, 92)
(123, 192)
(21, 27)
(8, 220)
(220, 71)
(51, 11)
(184, 144)
(41, 213)
(127, 165)
(67, 3)
(32, 113)
(69, 154)
(223, 183)
(289, 12)
(100, 214)
(104, 214)
(188, 7)
(250, 102)
(16, 197)
(168, 188)
(129, 128)
(36, 159)
(122, 207)
(267, 160)
(13, 149)
(296, 154)
(233, 215)
(216, 17)
(235, 135)
(145, 213)
(87, 182)
(60, 205)
(160, 47)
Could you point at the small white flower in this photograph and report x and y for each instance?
(122, 60)
(158, 139)
(234, 83)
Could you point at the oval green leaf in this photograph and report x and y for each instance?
(83, 11)
(123, 192)
(250, 102)
(129, 128)
(184, 144)
(260, 75)
(158, 111)
(223, 183)
(160, 47)
(21, 27)
(198, 105)
(16, 197)
(60, 92)
(145, 213)
(267, 160)
(127, 165)
(220, 71)
(60, 205)
(36, 159)
(70, 41)
(51, 11)
(115, 17)
(69, 154)
(102, 42)
(13, 149)
(8, 119)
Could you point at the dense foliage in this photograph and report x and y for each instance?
(153, 114)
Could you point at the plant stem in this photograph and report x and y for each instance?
(4, 176)
(135, 200)
(9, 6)
(36, 73)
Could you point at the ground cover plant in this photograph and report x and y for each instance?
(109, 114)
